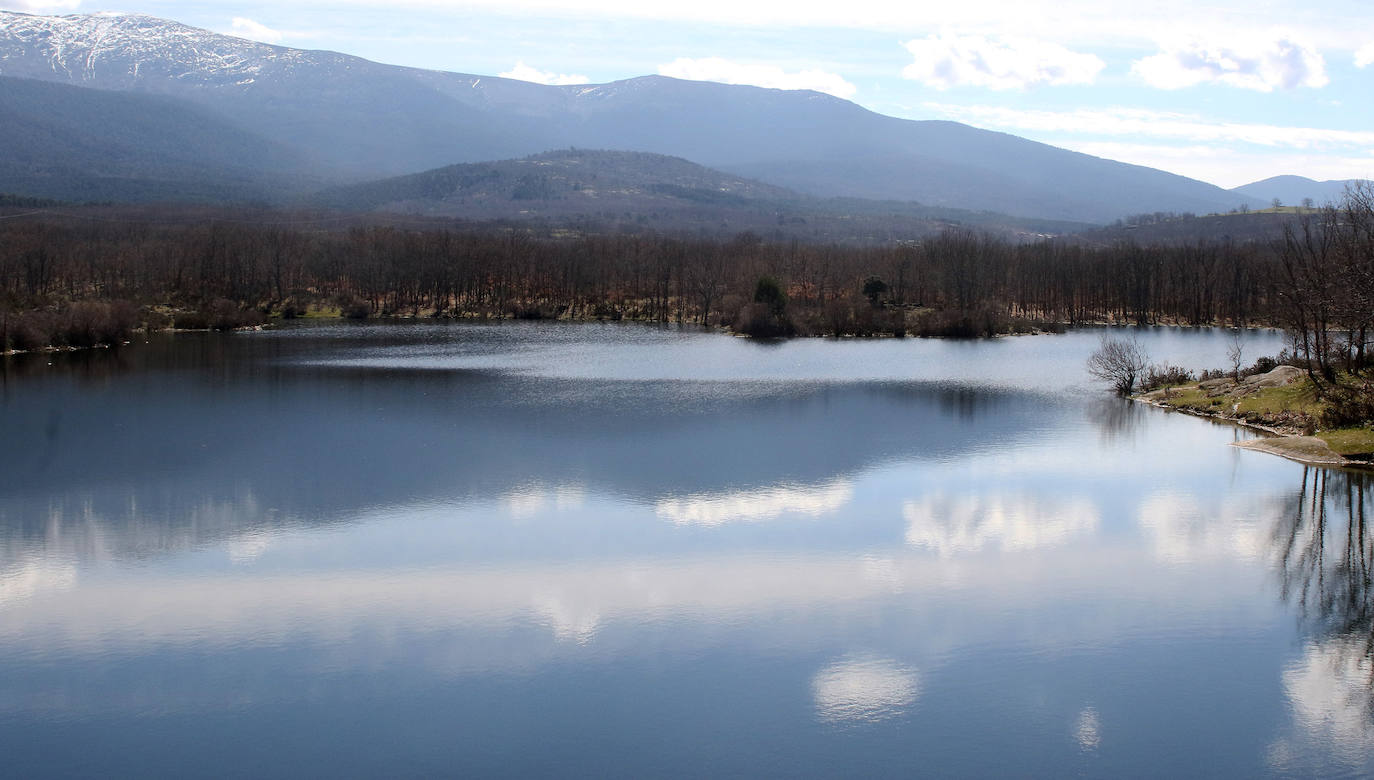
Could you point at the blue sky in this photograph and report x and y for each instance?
(1224, 92)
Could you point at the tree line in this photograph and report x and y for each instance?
(958, 283)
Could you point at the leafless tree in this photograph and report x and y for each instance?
(1118, 361)
(1235, 354)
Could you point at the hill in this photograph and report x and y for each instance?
(633, 191)
(364, 119)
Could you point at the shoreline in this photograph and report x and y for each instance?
(1286, 442)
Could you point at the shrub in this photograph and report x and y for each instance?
(1165, 375)
(758, 319)
(191, 320)
(96, 323)
(1349, 404)
(770, 293)
(30, 331)
(956, 324)
(874, 288)
(356, 309)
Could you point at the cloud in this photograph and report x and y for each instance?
(1224, 153)
(523, 72)
(1364, 56)
(1110, 24)
(1227, 166)
(951, 526)
(946, 60)
(758, 75)
(1260, 64)
(255, 31)
(1328, 689)
(863, 689)
(1156, 124)
(713, 509)
(39, 6)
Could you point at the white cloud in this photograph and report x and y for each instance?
(1364, 56)
(1339, 24)
(39, 6)
(1261, 64)
(523, 72)
(1182, 529)
(952, 526)
(30, 578)
(758, 75)
(1229, 167)
(713, 509)
(255, 31)
(945, 60)
(1157, 124)
(863, 689)
(1329, 692)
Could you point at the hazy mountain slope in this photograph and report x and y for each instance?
(1264, 228)
(361, 118)
(1291, 190)
(826, 146)
(80, 144)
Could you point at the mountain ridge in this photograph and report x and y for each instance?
(363, 119)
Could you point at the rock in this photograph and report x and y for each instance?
(1280, 376)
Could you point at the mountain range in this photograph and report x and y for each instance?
(324, 117)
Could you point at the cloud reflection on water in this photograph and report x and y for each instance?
(864, 689)
(713, 509)
(1329, 690)
(963, 524)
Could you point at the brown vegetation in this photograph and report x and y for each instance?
(219, 273)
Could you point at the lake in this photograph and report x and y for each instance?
(619, 550)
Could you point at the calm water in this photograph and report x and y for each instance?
(619, 550)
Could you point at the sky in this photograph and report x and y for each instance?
(1226, 92)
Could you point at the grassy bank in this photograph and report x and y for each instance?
(1283, 401)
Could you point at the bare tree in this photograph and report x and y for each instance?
(1118, 361)
(1235, 354)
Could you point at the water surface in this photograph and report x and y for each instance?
(620, 550)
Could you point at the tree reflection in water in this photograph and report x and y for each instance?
(1324, 555)
(1117, 419)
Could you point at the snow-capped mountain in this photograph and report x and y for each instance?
(131, 51)
(362, 118)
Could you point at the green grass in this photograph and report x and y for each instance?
(1349, 441)
(1299, 397)
(1276, 406)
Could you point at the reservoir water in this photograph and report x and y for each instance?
(619, 550)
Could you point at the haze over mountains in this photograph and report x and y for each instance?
(633, 191)
(1292, 190)
(300, 118)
